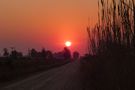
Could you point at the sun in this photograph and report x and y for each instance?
(68, 43)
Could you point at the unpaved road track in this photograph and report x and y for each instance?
(67, 77)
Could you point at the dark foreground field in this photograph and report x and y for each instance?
(110, 73)
(66, 77)
(15, 70)
(89, 73)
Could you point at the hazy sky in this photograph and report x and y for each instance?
(46, 23)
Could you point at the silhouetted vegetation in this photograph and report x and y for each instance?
(6, 53)
(67, 53)
(76, 55)
(14, 64)
(112, 46)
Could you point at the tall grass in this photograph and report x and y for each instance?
(116, 26)
(112, 42)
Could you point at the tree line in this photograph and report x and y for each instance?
(33, 53)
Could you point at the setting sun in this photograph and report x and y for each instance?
(68, 43)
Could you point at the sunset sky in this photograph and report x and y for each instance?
(46, 23)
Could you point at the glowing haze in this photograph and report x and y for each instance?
(46, 23)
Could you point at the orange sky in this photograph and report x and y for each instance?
(46, 23)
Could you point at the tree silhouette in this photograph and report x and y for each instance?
(49, 55)
(67, 53)
(76, 55)
(6, 52)
(14, 54)
(43, 53)
(33, 53)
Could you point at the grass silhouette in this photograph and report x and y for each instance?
(112, 46)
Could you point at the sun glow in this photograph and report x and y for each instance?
(68, 43)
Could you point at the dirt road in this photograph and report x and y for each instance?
(67, 77)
